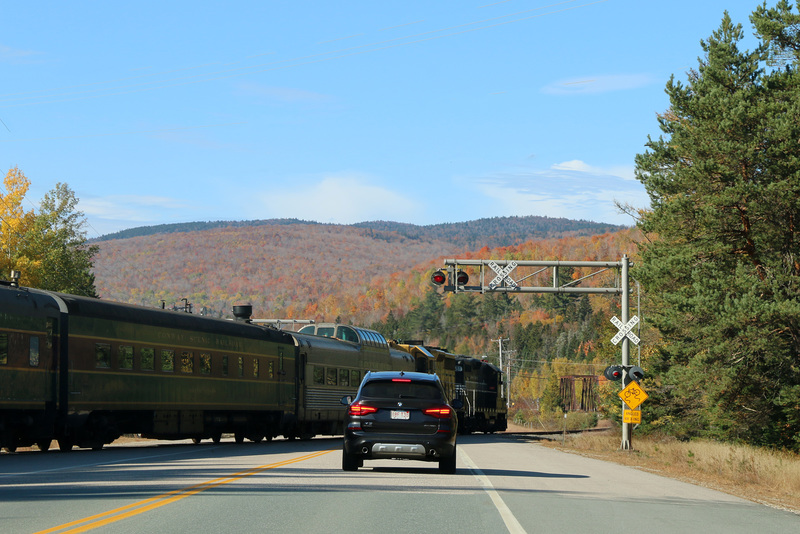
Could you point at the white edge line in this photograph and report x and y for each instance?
(509, 519)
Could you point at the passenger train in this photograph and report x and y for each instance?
(84, 371)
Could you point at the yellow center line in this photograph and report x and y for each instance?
(98, 520)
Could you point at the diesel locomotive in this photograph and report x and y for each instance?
(82, 372)
(476, 383)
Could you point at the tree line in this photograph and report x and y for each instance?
(46, 246)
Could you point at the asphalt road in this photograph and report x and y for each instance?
(502, 484)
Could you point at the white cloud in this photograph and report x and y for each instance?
(598, 84)
(340, 199)
(13, 55)
(620, 171)
(572, 189)
(115, 212)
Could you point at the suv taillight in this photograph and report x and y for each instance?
(440, 412)
(361, 409)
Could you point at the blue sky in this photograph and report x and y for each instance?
(413, 111)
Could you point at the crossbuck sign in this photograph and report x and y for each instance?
(625, 330)
(502, 274)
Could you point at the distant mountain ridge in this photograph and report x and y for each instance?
(491, 232)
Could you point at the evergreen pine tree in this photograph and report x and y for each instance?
(722, 261)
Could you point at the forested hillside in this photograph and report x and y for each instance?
(283, 270)
(289, 268)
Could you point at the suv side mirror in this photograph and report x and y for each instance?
(347, 400)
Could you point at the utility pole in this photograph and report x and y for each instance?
(503, 387)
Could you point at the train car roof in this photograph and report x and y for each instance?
(111, 310)
(355, 334)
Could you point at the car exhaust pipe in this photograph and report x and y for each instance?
(364, 450)
(433, 453)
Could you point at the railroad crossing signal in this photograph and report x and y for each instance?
(625, 330)
(502, 274)
(613, 372)
(633, 395)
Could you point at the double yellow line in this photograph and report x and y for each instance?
(99, 520)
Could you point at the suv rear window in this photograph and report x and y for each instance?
(385, 389)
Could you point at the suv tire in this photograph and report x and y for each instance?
(447, 465)
(350, 462)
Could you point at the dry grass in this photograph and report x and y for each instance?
(760, 475)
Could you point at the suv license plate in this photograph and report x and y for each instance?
(400, 414)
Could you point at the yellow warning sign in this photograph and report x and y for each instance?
(632, 416)
(633, 395)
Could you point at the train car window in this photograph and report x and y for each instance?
(3, 349)
(33, 355)
(148, 359)
(167, 360)
(355, 378)
(241, 367)
(255, 367)
(225, 365)
(319, 375)
(187, 362)
(271, 370)
(326, 331)
(330, 376)
(125, 357)
(102, 355)
(347, 334)
(307, 329)
(205, 364)
(344, 377)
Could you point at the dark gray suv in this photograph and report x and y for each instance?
(400, 415)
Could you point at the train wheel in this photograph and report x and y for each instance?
(64, 445)
(11, 448)
(216, 438)
(197, 441)
(238, 438)
(44, 445)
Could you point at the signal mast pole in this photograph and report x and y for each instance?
(625, 311)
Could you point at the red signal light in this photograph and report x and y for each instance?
(361, 409)
(440, 412)
(438, 278)
(613, 372)
(462, 278)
